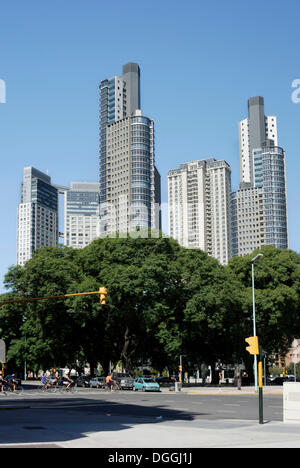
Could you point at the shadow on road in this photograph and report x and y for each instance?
(61, 419)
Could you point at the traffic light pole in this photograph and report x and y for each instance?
(102, 297)
(180, 370)
(256, 350)
(260, 387)
(254, 328)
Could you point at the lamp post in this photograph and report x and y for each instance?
(25, 348)
(255, 259)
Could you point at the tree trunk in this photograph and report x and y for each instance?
(93, 365)
(125, 355)
(214, 374)
(105, 367)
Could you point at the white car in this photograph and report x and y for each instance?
(97, 382)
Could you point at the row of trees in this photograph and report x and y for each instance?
(163, 301)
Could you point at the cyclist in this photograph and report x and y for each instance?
(109, 382)
(54, 381)
(12, 382)
(2, 383)
(70, 381)
(45, 381)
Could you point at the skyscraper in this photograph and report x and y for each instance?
(37, 214)
(270, 174)
(129, 180)
(259, 208)
(253, 131)
(199, 206)
(119, 98)
(81, 214)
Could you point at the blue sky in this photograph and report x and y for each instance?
(200, 62)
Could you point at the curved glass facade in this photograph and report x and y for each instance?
(129, 180)
(104, 90)
(269, 173)
(142, 172)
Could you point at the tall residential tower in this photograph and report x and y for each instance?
(253, 131)
(259, 207)
(129, 180)
(199, 206)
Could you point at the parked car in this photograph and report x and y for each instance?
(165, 380)
(97, 382)
(123, 380)
(83, 381)
(146, 384)
(291, 378)
(277, 380)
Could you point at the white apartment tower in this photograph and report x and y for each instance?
(37, 214)
(199, 206)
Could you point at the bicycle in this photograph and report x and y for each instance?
(48, 388)
(115, 386)
(19, 389)
(8, 388)
(65, 389)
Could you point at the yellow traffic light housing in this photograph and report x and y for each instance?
(253, 342)
(103, 293)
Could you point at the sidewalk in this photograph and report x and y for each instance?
(227, 389)
(206, 390)
(192, 434)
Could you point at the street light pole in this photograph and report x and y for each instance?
(255, 259)
(25, 363)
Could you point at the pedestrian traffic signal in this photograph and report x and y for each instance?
(103, 293)
(253, 342)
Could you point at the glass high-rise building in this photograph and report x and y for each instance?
(259, 207)
(253, 131)
(119, 98)
(129, 180)
(81, 214)
(270, 174)
(37, 214)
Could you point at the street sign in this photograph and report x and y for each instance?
(2, 352)
(295, 356)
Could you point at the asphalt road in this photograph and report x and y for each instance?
(169, 406)
(93, 419)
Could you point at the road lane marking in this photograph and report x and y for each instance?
(224, 411)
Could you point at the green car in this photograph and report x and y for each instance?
(146, 384)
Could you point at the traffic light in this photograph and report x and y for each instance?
(180, 373)
(253, 342)
(103, 293)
